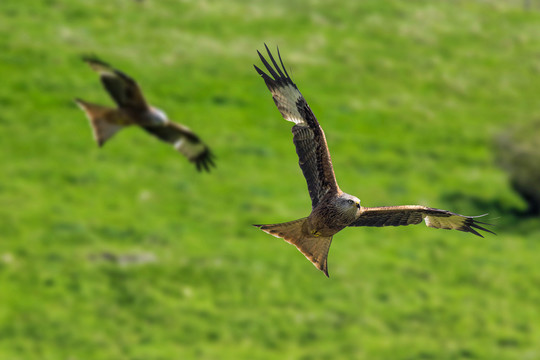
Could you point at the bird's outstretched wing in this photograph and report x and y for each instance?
(125, 91)
(186, 142)
(308, 136)
(414, 214)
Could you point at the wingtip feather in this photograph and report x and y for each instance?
(205, 161)
(259, 70)
(475, 225)
(94, 61)
(471, 224)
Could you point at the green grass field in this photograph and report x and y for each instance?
(126, 252)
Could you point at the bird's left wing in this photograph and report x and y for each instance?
(414, 214)
(308, 136)
(185, 141)
(123, 89)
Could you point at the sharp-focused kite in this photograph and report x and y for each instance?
(332, 209)
(132, 109)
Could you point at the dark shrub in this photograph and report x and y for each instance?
(517, 151)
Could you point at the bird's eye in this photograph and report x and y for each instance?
(350, 201)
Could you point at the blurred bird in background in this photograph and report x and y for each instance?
(132, 109)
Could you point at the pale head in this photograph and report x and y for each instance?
(158, 116)
(347, 204)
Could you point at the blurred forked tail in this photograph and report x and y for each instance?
(315, 249)
(100, 120)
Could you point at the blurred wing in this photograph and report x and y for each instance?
(185, 141)
(308, 136)
(414, 214)
(123, 89)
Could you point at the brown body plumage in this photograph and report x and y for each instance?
(332, 209)
(332, 214)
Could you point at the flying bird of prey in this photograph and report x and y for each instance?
(132, 109)
(332, 209)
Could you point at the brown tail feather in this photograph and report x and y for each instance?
(315, 249)
(99, 117)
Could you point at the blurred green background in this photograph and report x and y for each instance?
(127, 252)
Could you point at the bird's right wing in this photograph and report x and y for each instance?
(123, 89)
(308, 136)
(414, 214)
(185, 141)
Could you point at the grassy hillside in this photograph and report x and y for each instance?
(126, 252)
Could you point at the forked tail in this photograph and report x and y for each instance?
(315, 249)
(99, 117)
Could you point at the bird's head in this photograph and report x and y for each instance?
(348, 203)
(158, 115)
